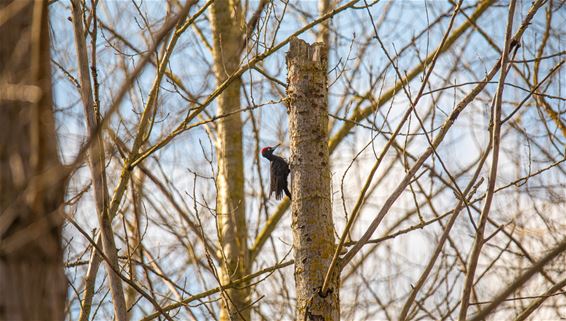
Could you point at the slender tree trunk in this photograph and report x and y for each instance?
(32, 281)
(226, 22)
(323, 35)
(313, 229)
(96, 160)
(135, 237)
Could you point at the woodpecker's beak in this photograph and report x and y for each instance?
(275, 147)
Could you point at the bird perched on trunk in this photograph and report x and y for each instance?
(278, 173)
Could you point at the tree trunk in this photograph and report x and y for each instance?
(32, 281)
(97, 163)
(323, 35)
(313, 229)
(226, 22)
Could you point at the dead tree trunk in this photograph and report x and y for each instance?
(32, 281)
(313, 229)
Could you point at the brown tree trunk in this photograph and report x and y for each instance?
(313, 228)
(32, 280)
(226, 22)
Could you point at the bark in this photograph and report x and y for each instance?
(32, 281)
(313, 229)
(324, 6)
(134, 240)
(227, 24)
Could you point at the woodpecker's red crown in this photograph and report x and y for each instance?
(268, 150)
(265, 150)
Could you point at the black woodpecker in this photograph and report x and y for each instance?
(278, 173)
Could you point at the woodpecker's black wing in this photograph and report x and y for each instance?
(279, 172)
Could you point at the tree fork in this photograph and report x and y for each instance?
(313, 228)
